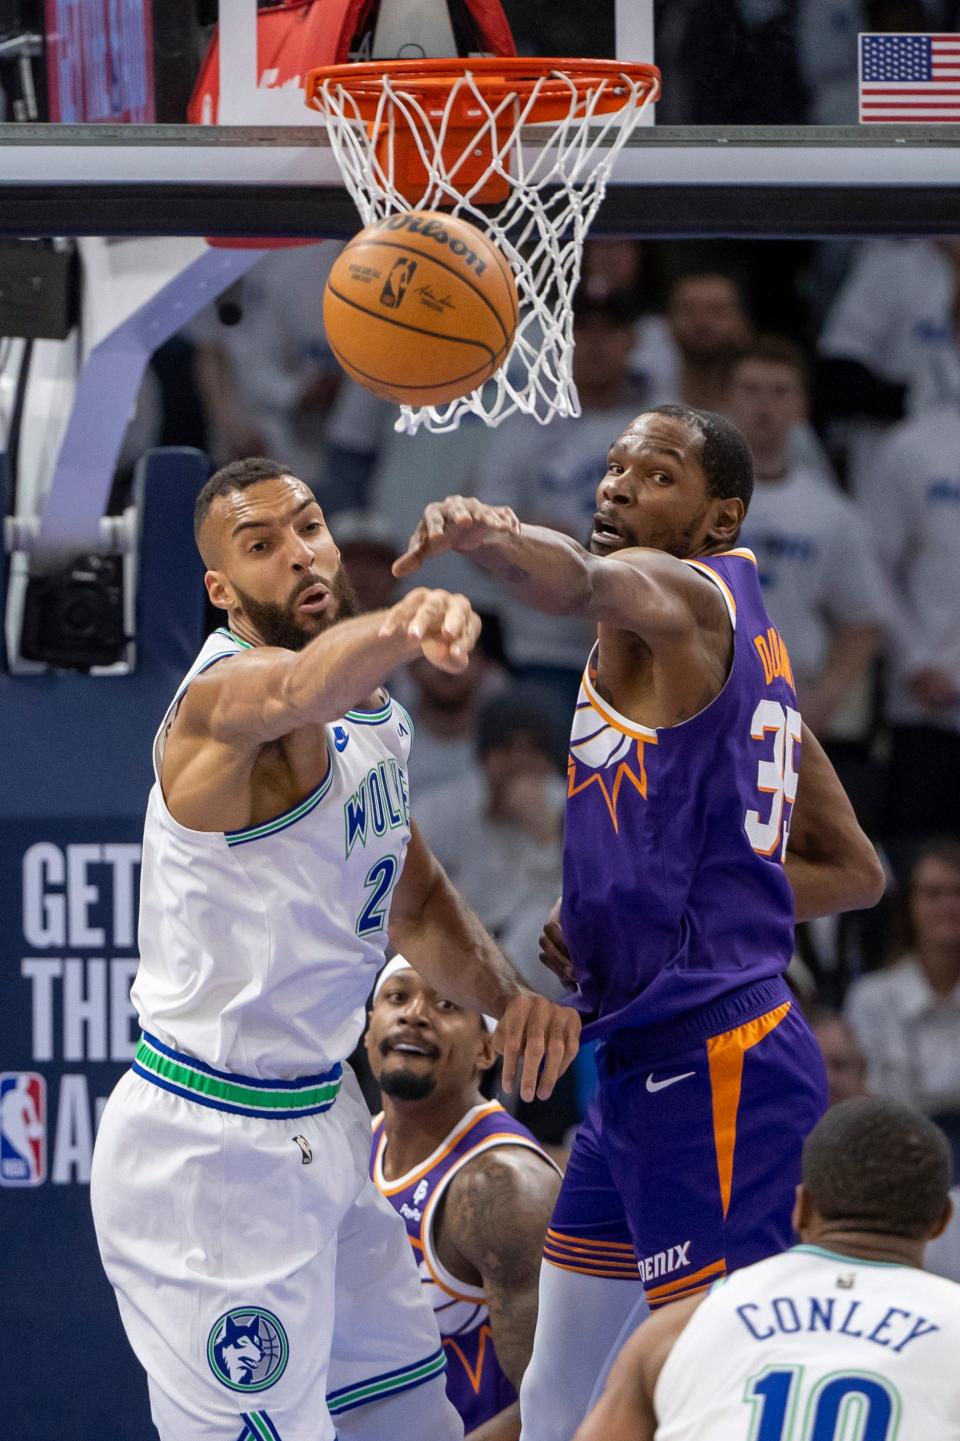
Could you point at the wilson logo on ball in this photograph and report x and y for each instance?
(421, 308)
(395, 285)
(435, 230)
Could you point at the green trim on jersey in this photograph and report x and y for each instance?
(223, 630)
(286, 818)
(407, 717)
(378, 1387)
(370, 717)
(811, 1250)
(243, 1094)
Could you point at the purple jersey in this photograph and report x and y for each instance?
(674, 891)
(476, 1385)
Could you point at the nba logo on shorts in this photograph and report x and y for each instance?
(23, 1128)
(395, 285)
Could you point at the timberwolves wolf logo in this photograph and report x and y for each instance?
(395, 285)
(247, 1349)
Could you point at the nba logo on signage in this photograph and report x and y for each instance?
(23, 1128)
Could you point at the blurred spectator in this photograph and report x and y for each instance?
(821, 583)
(914, 512)
(907, 1016)
(710, 327)
(619, 268)
(845, 1062)
(269, 382)
(368, 549)
(549, 475)
(888, 345)
(444, 710)
(497, 828)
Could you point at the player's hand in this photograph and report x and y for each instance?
(444, 625)
(553, 949)
(534, 1031)
(457, 523)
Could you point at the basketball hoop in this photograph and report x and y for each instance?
(430, 134)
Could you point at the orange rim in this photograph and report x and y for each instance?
(496, 77)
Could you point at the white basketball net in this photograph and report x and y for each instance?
(555, 190)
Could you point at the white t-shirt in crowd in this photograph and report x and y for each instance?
(549, 475)
(817, 569)
(894, 314)
(275, 351)
(509, 878)
(909, 1035)
(912, 502)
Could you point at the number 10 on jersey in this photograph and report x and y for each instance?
(776, 776)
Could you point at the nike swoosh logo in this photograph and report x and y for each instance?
(653, 1085)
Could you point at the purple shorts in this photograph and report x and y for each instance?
(686, 1165)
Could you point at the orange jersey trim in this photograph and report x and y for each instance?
(670, 1288)
(581, 1242)
(682, 1296)
(725, 1055)
(610, 1273)
(391, 1188)
(474, 1374)
(720, 583)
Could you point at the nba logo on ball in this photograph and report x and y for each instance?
(395, 287)
(247, 1349)
(23, 1128)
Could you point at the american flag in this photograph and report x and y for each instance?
(909, 78)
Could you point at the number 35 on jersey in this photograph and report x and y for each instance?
(777, 730)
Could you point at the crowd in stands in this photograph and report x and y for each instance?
(852, 412)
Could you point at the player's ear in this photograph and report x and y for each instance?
(802, 1210)
(219, 589)
(943, 1222)
(727, 519)
(486, 1055)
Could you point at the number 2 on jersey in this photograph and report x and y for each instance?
(776, 776)
(839, 1408)
(380, 880)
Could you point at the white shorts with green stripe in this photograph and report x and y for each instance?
(266, 1286)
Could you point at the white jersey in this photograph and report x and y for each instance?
(259, 947)
(815, 1346)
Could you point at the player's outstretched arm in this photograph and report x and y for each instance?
(831, 863)
(625, 1410)
(270, 692)
(496, 1216)
(646, 591)
(432, 925)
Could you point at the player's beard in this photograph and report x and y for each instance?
(277, 624)
(407, 1085)
(682, 546)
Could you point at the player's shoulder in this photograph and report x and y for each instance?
(504, 1174)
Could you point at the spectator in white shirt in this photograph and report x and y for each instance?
(271, 386)
(710, 327)
(907, 1016)
(888, 344)
(914, 512)
(497, 828)
(821, 583)
(444, 708)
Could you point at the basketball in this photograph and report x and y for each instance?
(421, 308)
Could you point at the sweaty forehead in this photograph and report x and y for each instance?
(667, 432)
(265, 500)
